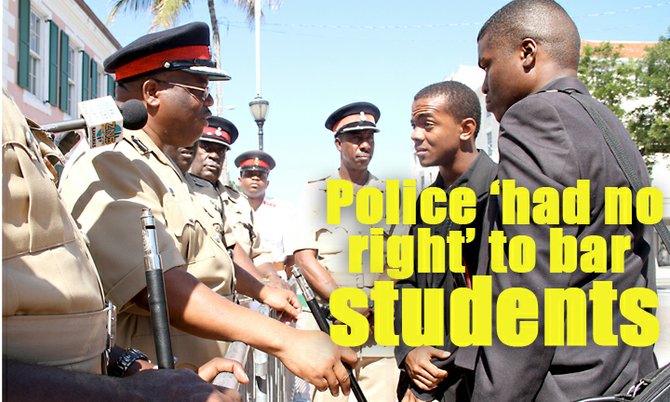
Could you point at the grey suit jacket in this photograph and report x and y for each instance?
(548, 140)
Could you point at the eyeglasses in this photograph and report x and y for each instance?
(248, 174)
(202, 98)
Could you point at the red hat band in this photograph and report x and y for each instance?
(157, 60)
(218, 133)
(256, 162)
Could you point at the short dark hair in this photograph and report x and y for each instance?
(461, 101)
(545, 21)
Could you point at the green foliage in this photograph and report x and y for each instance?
(650, 125)
(613, 80)
(609, 79)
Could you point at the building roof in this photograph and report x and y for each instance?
(101, 26)
(628, 50)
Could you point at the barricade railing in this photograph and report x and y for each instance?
(269, 379)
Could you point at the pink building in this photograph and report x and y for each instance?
(53, 54)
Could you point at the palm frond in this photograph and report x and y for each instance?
(166, 12)
(125, 5)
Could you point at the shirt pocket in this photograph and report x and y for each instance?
(178, 221)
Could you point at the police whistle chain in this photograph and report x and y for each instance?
(324, 326)
(153, 265)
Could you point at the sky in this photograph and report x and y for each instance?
(319, 55)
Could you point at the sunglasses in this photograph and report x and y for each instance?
(248, 174)
(204, 91)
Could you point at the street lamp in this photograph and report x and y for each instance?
(259, 108)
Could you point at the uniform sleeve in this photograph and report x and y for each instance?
(106, 192)
(536, 152)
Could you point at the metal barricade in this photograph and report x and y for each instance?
(269, 380)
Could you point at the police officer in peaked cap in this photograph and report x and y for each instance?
(170, 71)
(320, 248)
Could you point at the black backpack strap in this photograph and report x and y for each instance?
(617, 150)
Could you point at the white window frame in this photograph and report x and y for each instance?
(71, 80)
(36, 56)
(39, 99)
(76, 48)
(102, 84)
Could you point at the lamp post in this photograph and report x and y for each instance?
(259, 108)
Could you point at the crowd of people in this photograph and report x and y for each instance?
(76, 322)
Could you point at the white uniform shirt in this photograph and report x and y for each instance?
(272, 220)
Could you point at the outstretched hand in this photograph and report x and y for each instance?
(319, 361)
(282, 300)
(209, 370)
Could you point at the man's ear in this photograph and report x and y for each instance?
(338, 143)
(150, 92)
(528, 53)
(468, 128)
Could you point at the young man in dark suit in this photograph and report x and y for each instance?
(446, 118)
(529, 50)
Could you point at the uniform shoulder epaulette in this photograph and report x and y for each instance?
(318, 180)
(139, 145)
(232, 193)
(232, 190)
(199, 181)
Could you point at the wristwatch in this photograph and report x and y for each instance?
(123, 363)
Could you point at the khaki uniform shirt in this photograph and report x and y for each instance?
(207, 197)
(239, 224)
(106, 191)
(53, 310)
(332, 241)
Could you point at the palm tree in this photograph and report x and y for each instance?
(165, 14)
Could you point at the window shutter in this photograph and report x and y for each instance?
(24, 42)
(111, 86)
(53, 63)
(64, 64)
(94, 79)
(85, 75)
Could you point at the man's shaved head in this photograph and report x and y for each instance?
(545, 21)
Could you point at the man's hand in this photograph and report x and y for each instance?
(316, 359)
(209, 370)
(421, 370)
(283, 300)
(275, 281)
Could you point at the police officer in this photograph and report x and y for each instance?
(170, 72)
(321, 248)
(209, 151)
(55, 320)
(272, 216)
(240, 229)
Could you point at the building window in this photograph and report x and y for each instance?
(101, 83)
(70, 80)
(35, 61)
(65, 59)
